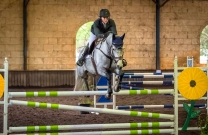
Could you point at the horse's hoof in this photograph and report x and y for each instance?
(117, 88)
(108, 96)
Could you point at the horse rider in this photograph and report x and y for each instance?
(100, 26)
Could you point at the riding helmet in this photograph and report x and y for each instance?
(104, 13)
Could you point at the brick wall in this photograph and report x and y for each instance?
(53, 24)
(11, 33)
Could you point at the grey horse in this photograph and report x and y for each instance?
(105, 59)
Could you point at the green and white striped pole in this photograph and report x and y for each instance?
(90, 126)
(121, 132)
(82, 93)
(90, 109)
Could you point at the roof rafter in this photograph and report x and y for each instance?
(160, 2)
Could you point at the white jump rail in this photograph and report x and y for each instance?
(90, 126)
(121, 132)
(91, 109)
(82, 93)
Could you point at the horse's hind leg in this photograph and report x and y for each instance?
(109, 91)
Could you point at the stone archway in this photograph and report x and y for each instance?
(82, 37)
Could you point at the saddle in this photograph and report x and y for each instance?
(94, 44)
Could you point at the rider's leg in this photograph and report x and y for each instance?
(91, 39)
(80, 62)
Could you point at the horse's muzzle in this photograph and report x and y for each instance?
(124, 62)
(119, 64)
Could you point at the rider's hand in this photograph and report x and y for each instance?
(100, 35)
(107, 33)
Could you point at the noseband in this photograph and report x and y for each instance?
(116, 59)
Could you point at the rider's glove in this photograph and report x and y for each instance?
(107, 33)
(100, 35)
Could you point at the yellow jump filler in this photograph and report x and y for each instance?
(1, 86)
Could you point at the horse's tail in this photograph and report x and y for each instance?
(79, 82)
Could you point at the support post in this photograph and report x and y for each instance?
(176, 95)
(5, 122)
(157, 34)
(25, 3)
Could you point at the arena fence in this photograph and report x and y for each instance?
(173, 124)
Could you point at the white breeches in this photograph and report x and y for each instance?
(91, 39)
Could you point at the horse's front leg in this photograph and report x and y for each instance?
(118, 84)
(109, 91)
(86, 84)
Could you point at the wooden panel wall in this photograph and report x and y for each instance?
(41, 78)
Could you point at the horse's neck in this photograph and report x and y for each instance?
(103, 47)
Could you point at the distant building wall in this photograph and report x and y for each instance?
(53, 24)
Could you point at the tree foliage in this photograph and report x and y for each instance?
(83, 35)
(204, 42)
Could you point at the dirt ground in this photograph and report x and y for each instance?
(28, 116)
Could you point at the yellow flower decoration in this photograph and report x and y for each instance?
(192, 83)
(1, 86)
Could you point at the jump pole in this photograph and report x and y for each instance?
(165, 73)
(90, 126)
(154, 106)
(90, 109)
(148, 76)
(82, 93)
(121, 132)
(165, 82)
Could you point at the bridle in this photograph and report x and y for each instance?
(111, 56)
(116, 59)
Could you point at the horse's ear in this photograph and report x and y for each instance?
(122, 37)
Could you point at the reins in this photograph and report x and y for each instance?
(109, 57)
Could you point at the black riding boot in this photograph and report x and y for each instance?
(80, 62)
